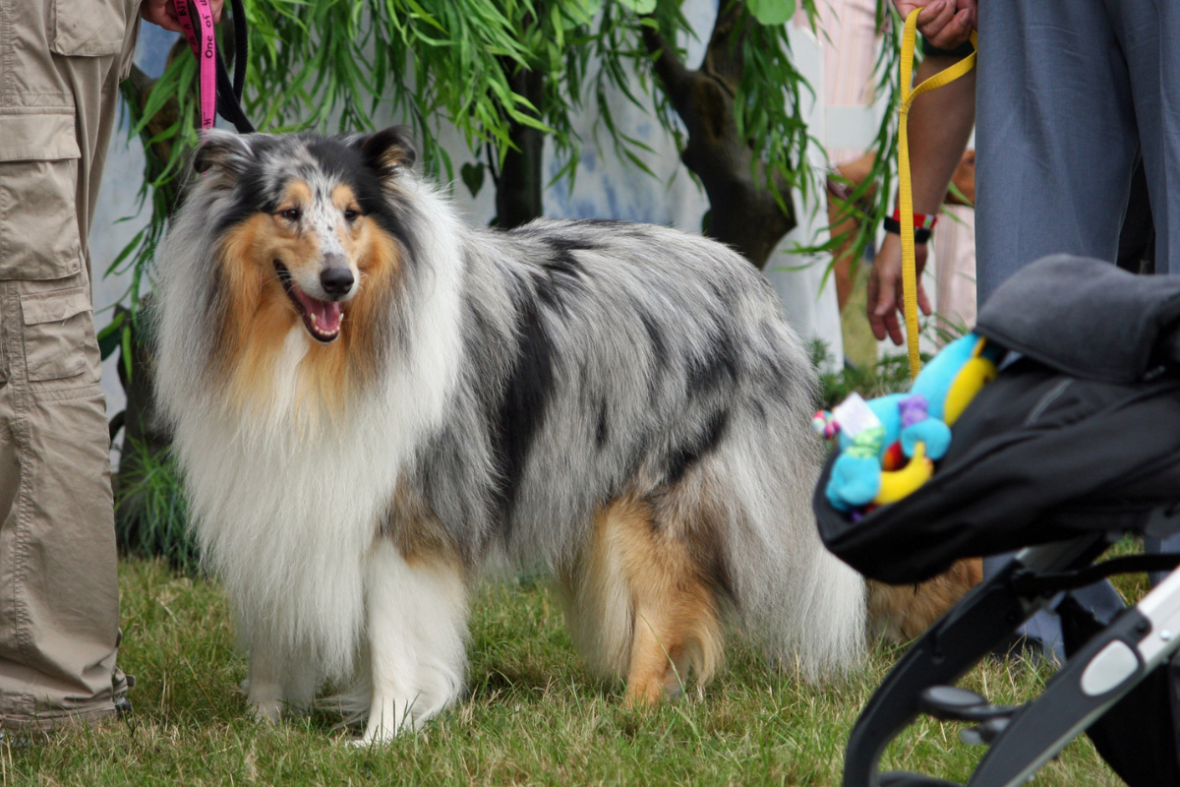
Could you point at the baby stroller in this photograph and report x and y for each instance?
(1073, 445)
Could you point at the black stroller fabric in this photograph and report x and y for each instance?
(1067, 439)
(1085, 317)
(1037, 457)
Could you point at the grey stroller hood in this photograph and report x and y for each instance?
(1086, 318)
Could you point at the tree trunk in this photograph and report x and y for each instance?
(744, 212)
(518, 190)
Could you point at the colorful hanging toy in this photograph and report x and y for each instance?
(888, 445)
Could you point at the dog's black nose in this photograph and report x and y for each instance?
(336, 280)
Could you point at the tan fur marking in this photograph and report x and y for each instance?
(344, 198)
(417, 532)
(296, 195)
(673, 626)
(257, 314)
(899, 613)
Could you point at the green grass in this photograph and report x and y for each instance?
(531, 715)
(151, 513)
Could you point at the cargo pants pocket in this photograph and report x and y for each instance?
(58, 329)
(89, 28)
(39, 236)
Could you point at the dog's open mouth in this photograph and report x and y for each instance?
(321, 318)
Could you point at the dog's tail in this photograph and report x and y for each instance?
(803, 605)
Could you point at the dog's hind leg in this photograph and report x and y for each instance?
(417, 627)
(640, 605)
(676, 624)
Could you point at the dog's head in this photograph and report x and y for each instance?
(310, 223)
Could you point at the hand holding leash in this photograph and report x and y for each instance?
(197, 20)
(944, 23)
(163, 13)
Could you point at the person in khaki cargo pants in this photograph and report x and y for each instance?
(60, 66)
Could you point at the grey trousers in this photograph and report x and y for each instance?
(1069, 95)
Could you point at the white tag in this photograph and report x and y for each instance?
(854, 415)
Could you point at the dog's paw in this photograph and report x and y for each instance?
(386, 721)
(377, 734)
(265, 705)
(269, 710)
(366, 742)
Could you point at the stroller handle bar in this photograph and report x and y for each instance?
(1098, 676)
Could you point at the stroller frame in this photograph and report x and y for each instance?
(1022, 739)
(1075, 442)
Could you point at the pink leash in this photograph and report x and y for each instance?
(204, 46)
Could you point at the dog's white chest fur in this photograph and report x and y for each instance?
(286, 521)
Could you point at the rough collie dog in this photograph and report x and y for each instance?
(371, 402)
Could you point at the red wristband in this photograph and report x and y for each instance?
(922, 221)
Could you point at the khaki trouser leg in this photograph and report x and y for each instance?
(59, 602)
(60, 65)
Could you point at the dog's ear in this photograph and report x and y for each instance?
(388, 152)
(224, 153)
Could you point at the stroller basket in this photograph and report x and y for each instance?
(1074, 444)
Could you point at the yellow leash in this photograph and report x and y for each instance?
(909, 266)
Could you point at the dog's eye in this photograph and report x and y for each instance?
(350, 215)
(290, 214)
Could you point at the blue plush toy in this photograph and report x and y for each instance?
(878, 436)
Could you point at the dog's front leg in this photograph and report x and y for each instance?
(279, 684)
(264, 687)
(417, 627)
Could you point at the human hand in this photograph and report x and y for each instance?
(163, 13)
(944, 23)
(885, 301)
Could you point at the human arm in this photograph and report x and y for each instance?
(163, 13)
(940, 124)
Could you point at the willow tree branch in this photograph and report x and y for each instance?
(675, 77)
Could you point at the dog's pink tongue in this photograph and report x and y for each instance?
(325, 315)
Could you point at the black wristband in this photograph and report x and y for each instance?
(921, 234)
(958, 53)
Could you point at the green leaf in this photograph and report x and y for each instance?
(109, 337)
(772, 12)
(640, 6)
(583, 11)
(125, 345)
(472, 175)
